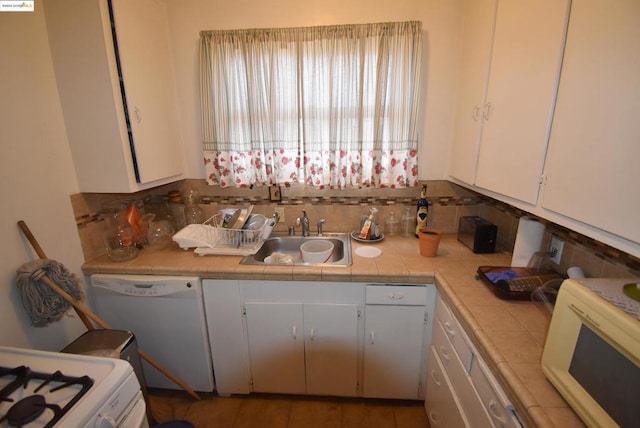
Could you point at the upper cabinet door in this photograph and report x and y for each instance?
(592, 167)
(473, 73)
(123, 137)
(527, 53)
(142, 33)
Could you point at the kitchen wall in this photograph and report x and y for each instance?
(36, 175)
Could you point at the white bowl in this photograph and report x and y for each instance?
(316, 251)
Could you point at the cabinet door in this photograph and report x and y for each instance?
(525, 65)
(393, 351)
(145, 60)
(87, 74)
(222, 305)
(276, 346)
(473, 73)
(592, 168)
(331, 348)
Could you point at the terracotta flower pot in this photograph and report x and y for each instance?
(429, 241)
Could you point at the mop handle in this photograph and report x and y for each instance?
(40, 252)
(42, 276)
(85, 312)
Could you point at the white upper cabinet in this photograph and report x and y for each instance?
(473, 74)
(119, 104)
(592, 172)
(517, 105)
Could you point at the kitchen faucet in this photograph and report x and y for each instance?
(304, 221)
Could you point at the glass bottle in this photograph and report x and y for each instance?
(422, 211)
(408, 223)
(392, 225)
(193, 214)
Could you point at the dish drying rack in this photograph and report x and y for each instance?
(211, 237)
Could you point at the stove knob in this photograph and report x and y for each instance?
(106, 421)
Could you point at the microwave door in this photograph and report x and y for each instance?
(591, 357)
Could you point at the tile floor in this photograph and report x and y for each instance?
(280, 411)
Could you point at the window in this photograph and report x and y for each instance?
(331, 106)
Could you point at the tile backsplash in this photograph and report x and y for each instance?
(343, 209)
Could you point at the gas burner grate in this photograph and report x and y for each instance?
(31, 407)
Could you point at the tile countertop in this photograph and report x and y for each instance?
(509, 334)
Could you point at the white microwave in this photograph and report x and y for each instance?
(592, 352)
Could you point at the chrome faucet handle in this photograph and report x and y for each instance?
(320, 223)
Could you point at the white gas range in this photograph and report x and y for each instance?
(51, 389)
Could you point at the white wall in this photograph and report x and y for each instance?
(440, 20)
(36, 176)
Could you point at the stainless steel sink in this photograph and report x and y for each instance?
(290, 246)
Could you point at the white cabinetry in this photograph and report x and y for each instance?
(119, 109)
(285, 337)
(300, 348)
(224, 315)
(442, 405)
(473, 73)
(516, 108)
(461, 390)
(398, 322)
(302, 337)
(592, 171)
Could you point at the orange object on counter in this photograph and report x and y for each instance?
(133, 217)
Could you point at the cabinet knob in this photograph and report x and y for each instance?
(449, 330)
(435, 378)
(495, 414)
(396, 296)
(433, 419)
(476, 113)
(444, 354)
(487, 111)
(137, 114)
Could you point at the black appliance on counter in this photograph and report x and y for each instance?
(478, 234)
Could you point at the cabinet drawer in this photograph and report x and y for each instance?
(396, 295)
(441, 403)
(495, 401)
(471, 404)
(455, 334)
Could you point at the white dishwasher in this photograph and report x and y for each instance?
(166, 314)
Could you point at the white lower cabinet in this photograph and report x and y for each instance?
(397, 325)
(300, 348)
(302, 337)
(441, 403)
(461, 390)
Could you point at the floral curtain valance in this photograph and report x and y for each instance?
(331, 106)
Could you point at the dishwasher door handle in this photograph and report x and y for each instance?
(143, 285)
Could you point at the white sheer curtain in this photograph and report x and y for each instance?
(331, 106)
